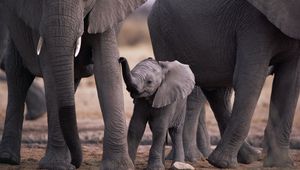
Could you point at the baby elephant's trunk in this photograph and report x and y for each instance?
(128, 79)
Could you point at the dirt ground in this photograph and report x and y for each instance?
(31, 153)
(135, 45)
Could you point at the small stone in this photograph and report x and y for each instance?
(182, 166)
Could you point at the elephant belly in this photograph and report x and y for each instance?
(202, 34)
(211, 78)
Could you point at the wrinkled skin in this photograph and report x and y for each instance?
(196, 140)
(153, 86)
(230, 44)
(35, 99)
(45, 37)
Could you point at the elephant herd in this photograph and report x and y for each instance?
(228, 46)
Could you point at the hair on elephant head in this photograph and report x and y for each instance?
(162, 81)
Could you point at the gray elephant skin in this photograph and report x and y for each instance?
(46, 35)
(160, 91)
(35, 99)
(231, 44)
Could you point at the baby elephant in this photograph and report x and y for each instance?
(160, 91)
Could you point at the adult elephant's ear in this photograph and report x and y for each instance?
(107, 13)
(30, 11)
(178, 83)
(284, 14)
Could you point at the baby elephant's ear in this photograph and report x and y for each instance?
(178, 83)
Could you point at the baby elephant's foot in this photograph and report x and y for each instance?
(8, 157)
(222, 159)
(248, 154)
(157, 165)
(278, 159)
(193, 155)
(57, 158)
(181, 166)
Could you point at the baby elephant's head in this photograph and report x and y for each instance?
(165, 81)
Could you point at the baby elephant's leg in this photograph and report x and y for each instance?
(177, 145)
(137, 127)
(155, 157)
(159, 127)
(178, 152)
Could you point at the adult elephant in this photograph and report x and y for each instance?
(46, 35)
(230, 44)
(35, 99)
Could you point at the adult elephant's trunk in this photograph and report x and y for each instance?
(60, 28)
(63, 72)
(128, 79)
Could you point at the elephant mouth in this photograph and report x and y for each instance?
(136, 94)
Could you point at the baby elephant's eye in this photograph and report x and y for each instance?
(149, 81)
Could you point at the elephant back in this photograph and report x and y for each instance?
(284, 14)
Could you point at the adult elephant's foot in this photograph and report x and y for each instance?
(248, 154)
(156, 165)
(57, 158)
(122, 163)
(278, 158)
(222, 159)
(206, 151)
(8, 155)
(192, 154)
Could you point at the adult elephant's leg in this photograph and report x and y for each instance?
(285, 93)
(219, 100)
(248, 88)
(19, 80)
(250, 72)
(35, 102)
(203, 138)
(110, 94)
(57, 154)
(195, 104)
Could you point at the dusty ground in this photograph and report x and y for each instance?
(92, 156)
(91, 123)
